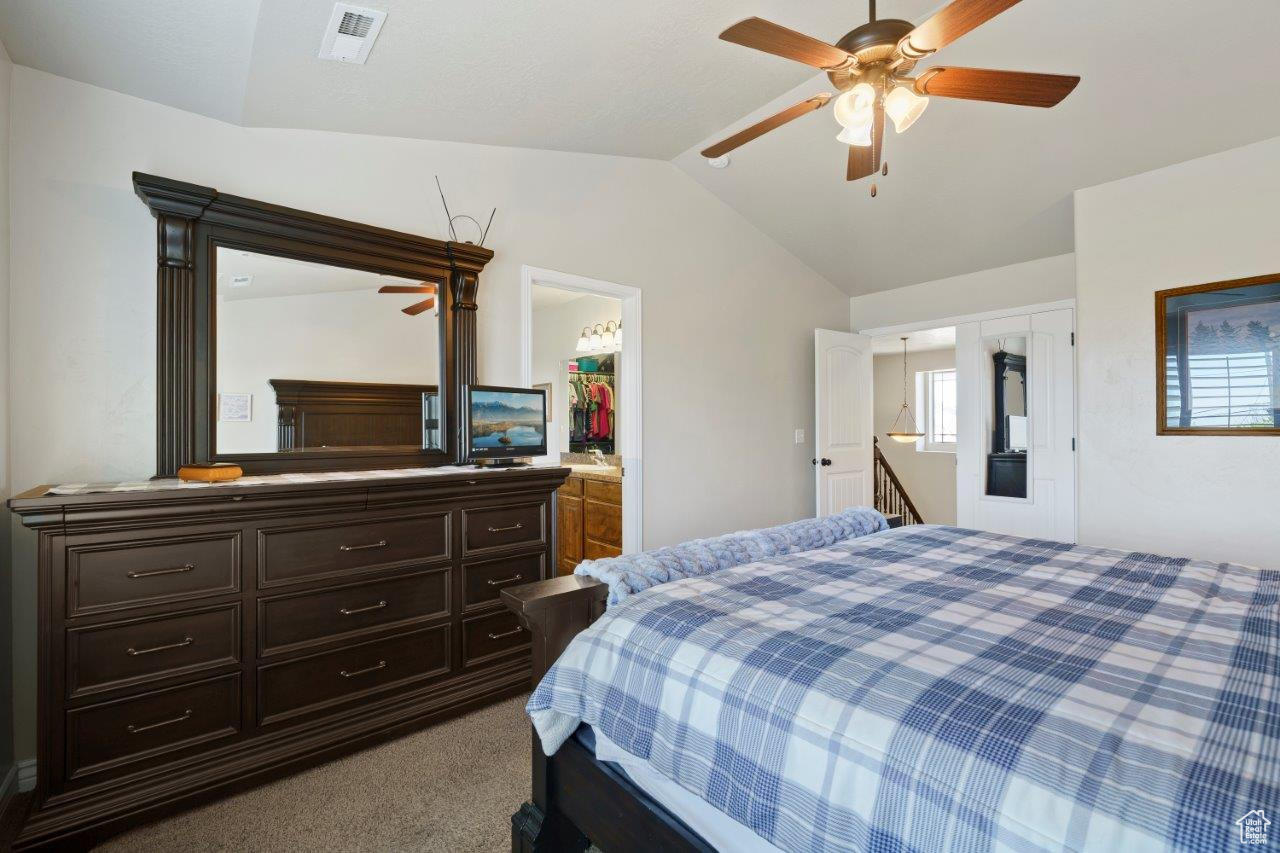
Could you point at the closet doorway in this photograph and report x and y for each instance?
(581, 342)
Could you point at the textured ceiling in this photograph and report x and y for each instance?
(644, 79)
(971, 186)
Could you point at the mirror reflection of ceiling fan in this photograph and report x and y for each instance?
(871, 67)
(417, 307)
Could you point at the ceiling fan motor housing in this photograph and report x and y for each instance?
(872, 43)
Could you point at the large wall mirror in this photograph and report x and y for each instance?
(313, 357)
(1007, 460)
(291, 341)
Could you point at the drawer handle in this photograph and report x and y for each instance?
(381, 543)
(135, 652)
(493, 636)
(351, 611)
(173, 570)
(379, 665)
(501, 581)
(137, 730)
(517, 526)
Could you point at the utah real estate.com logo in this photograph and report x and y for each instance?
(1253, 827)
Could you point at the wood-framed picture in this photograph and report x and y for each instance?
(1218, 358)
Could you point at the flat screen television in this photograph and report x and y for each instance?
(505, 423)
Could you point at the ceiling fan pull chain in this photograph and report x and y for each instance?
(885, 170)
(873, 190)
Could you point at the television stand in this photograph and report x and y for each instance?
(514, 462)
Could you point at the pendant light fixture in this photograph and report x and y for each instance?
(904, 427)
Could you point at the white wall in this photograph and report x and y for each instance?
(928, 476)
(1211, 219)
(555, 331)
(1030, 283)
(347, 336)
(720, 297)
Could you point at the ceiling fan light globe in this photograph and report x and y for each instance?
(903, 106)
(856, 106)
(859, 135)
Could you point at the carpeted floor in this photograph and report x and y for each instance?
(448, 788)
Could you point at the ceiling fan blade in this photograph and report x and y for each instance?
(760, 128)
(864, 160)
(418, 308)
(1022, 88)
(760, 34)
(402, 288)
(948, 24)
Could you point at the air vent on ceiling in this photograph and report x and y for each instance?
(351, 33)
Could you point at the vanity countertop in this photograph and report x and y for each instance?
(596, 472)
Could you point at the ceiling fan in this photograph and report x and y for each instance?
(871, 67)
(417, 307)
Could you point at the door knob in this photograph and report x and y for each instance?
(825, 462)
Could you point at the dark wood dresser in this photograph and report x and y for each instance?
(197, 641)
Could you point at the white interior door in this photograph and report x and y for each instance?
(842, 429)
(1049, 509)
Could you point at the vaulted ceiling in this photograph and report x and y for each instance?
(971, 186)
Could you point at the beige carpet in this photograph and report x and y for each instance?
(448, 788)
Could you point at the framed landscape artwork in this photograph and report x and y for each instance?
(1218, 358)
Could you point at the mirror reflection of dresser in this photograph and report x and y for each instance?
(1007, 461)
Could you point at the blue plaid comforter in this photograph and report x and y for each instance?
(930, 688)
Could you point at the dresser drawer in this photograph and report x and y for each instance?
(486, 636)
(504, 526)
(294, 554)
(119, 575)
(291, 621)
(287, 690)
(140, 650)
(117, 735)
(484, 581)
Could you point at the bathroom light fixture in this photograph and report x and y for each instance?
(607, 337)
(617, 338)
(584, 342)
(596, 339)
(904, 429)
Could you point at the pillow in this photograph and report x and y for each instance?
(631, 573)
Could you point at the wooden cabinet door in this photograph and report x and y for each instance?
(568, 533)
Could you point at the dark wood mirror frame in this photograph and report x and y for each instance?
(192, 221)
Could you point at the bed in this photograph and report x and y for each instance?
(925, 688)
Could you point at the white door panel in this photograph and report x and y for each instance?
(842, 424)
(1049, 510)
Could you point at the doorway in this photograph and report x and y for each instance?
(581, 343)
(914, 416)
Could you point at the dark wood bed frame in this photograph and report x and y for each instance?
(578, 800)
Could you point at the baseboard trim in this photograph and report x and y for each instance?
(26, 773)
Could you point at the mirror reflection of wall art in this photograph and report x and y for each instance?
(235, 407)
(1218, 356)
(546, 386)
